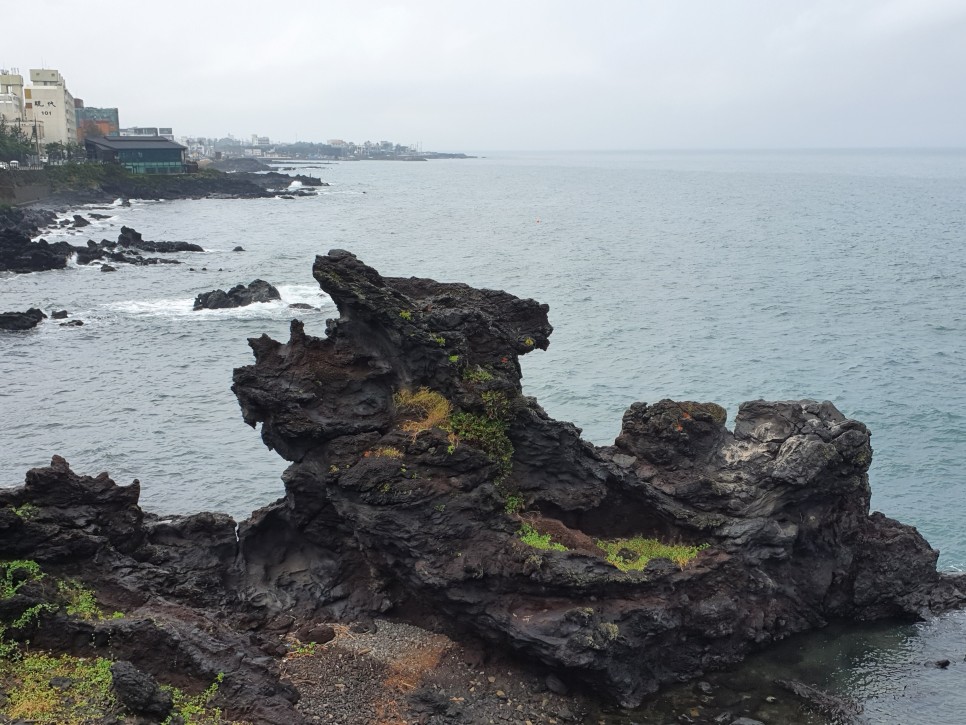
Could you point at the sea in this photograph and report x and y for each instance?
(705, 276)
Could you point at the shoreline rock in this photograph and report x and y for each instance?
(20, 321)
(240, 295)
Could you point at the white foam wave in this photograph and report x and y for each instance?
(184, 306)
(296, 184)
(304, 294)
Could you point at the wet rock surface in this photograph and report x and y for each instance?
(238, 296)
(131, 238)
(19, 254)
(20, 321)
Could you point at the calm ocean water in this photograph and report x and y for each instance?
(703, 276)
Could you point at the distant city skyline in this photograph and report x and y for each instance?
(541, 75)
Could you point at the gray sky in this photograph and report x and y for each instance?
(544, 74)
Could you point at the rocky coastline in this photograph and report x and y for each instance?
(425, 488)
(72, 185)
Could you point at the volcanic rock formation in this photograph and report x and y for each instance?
(420, 471)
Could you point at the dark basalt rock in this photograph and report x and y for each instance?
(72, 323)
(19, 321)
(59, 315)
(238, 296)
(131, 238)
(139, 692)
(19, 254)
(174, 579)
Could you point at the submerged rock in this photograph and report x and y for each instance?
(238, 296)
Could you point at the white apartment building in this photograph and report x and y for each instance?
(11, 96)
(49, 108)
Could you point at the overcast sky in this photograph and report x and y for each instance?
(547, 74)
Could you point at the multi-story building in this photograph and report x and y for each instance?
(49, 107)
(95, 121)
(11, 96)
(162, 131)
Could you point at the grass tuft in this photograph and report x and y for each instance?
(428, 408)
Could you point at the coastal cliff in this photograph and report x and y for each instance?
(425, 485)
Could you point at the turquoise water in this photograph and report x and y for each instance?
(703, 276)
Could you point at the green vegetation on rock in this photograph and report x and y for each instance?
(633, 554)
(531, 537)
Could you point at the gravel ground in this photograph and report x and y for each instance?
(392, 673)
(401, 674)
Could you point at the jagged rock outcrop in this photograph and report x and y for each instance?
(390, 501)
(238, 296)
(171, 578)
(131, 238)
(19, 254)
(20, 321)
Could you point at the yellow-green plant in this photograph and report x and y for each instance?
(31, 696)
(633, 554)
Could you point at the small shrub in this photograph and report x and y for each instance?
(495, 404)
(514, 503)
(477, 375)
(406, 315)
(79, 601)
(485, 433)
(439, 340)
(633, 554)
(531, 537)
(431, 408)
(454, 358)
(27, 511)
(196, 709)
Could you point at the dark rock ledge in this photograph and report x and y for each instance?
(382, 515)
